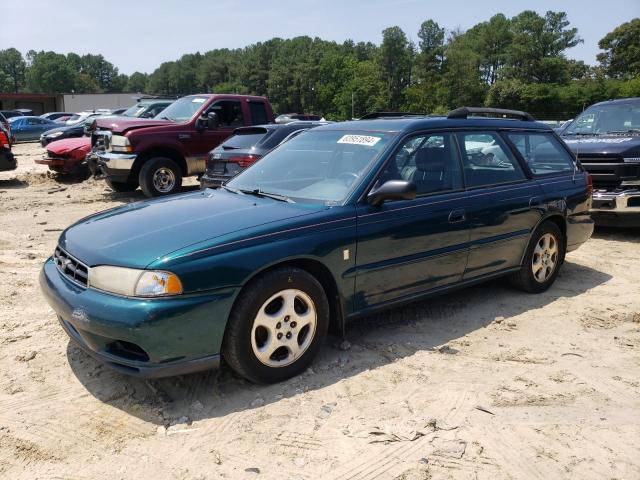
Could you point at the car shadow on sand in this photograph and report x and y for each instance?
(13, 183)
(374, 341)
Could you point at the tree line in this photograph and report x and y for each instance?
(517, 62)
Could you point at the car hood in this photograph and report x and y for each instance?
(66, 145)
(140, 233)
(124, 124)
(603, 144)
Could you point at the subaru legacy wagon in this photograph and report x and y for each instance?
(339, 222)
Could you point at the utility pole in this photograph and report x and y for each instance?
(352, 110)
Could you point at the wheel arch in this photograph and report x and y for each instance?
(167, 152)
(561, 222)
(317, 269)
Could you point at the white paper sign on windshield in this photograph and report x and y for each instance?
(364, 140)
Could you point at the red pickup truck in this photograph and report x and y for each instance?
(156, 154)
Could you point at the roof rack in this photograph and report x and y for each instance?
(374, 115)
(465, 112)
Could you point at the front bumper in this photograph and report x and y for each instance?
(7, 160)
(614, 209)
(141, 337)
(116, 166)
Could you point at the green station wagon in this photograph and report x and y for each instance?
(337, 223)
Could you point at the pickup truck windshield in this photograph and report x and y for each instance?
(607, 118)
(315, 167)
(183, 109)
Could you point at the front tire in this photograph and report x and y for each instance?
(160, 176)
(277, 326)
(542, 260)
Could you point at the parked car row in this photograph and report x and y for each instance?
(335, 222)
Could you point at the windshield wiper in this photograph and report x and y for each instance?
(275, 196)
(631, 130)
(232, 190)
(587, 134)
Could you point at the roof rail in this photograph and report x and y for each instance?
(465, 112)
(374, 115)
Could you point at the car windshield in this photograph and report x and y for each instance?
(315, 167)
(607, 118)
(134, 111)
(183, 109)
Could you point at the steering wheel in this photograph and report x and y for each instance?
(348, 178)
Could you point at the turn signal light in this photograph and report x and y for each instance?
(589, 185)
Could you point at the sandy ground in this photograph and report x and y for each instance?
(482, 383)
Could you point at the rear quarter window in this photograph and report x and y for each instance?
(543, 153)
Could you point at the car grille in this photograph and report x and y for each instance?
(71, 268)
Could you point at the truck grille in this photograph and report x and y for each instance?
(71, 268)
(603, 159)
(101, 141)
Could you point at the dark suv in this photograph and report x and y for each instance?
(606, 139)
(246, 146)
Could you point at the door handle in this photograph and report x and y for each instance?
(457, 216)
(535, 202)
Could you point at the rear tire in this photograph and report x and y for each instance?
(277, 326)
(160, 176)
(542, 260)
(121, 187)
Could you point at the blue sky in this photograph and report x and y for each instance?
(140, 34)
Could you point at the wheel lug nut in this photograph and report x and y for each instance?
(293, 325)
(279, 336)
(286, 319)
(278, 325)
(288, 334)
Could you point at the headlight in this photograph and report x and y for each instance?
(631, 160)
(120, 143)
(54, 134)
(134, 283)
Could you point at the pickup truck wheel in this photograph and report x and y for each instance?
(542, 260)
(277, 326)
(160, 176)
(121, 186)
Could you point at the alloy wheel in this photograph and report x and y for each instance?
(283, 328)
(545, 257)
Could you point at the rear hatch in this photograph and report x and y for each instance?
(237, 152)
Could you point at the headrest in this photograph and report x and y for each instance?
(432, 159)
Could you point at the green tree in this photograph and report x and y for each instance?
(49, 72)
(431, 45)
(395, 59)
(621, 56)
(136, 83)
(536, 53)
(12, 66)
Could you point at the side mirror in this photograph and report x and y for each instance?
(213, 121)
(392, 190)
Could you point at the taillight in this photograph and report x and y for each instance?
(589, 184)
(244, 160)
(4, 141)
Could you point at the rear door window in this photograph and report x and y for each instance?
(542, 152)
(258, 113)
(487, 160)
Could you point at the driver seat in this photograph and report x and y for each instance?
(431, 174)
